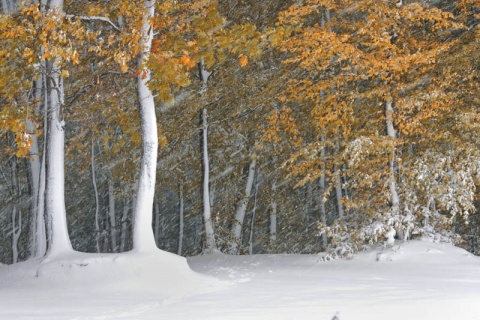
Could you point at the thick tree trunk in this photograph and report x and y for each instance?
(58, 238)
(242, 209)
(210, 244)
(143, 238)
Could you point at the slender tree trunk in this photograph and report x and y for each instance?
(210, 244)
(17, 229)
(123, 239)
(273, 223)
(242, 209)
(395, 200)
(112, 214)
(143, 238)
(38, 239)
(181, 223)
(97, 202)
(254, 213)
(16, 214)
(338, 185)
(323, 211)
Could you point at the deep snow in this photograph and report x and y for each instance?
(413, 280)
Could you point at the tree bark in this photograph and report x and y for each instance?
(181, 223)
(242, 209)
(210, 244)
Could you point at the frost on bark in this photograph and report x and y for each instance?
(210, 244)
(143, 238)
(242, 209)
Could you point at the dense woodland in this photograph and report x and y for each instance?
(240, 126)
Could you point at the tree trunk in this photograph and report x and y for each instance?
(37, 178)
(181, 223)
(58, 238)
(17, 229)
(338, 186)
(97, 204)
(112, 214)
(323, 211)
(210, 244)
(254, 213)
(242, 209)
(395, 200)
(143, 238)
(273, 223)
(123, 238)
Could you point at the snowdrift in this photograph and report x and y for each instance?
(413, 280)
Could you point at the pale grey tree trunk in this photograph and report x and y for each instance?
(97, 203)
(394, 198)
(254, 213)
(210, 244)
(241, 209)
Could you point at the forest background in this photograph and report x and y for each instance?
(283, 126)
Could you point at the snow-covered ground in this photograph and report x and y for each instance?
(414, 280)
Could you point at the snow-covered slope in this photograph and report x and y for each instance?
(414, 280)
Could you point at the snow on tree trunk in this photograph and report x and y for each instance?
(181, 223)
(37, 177)
(112, 215)
(210, 244)
(143, 238)
(242, 209)
(58, 238)
(41, 229)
